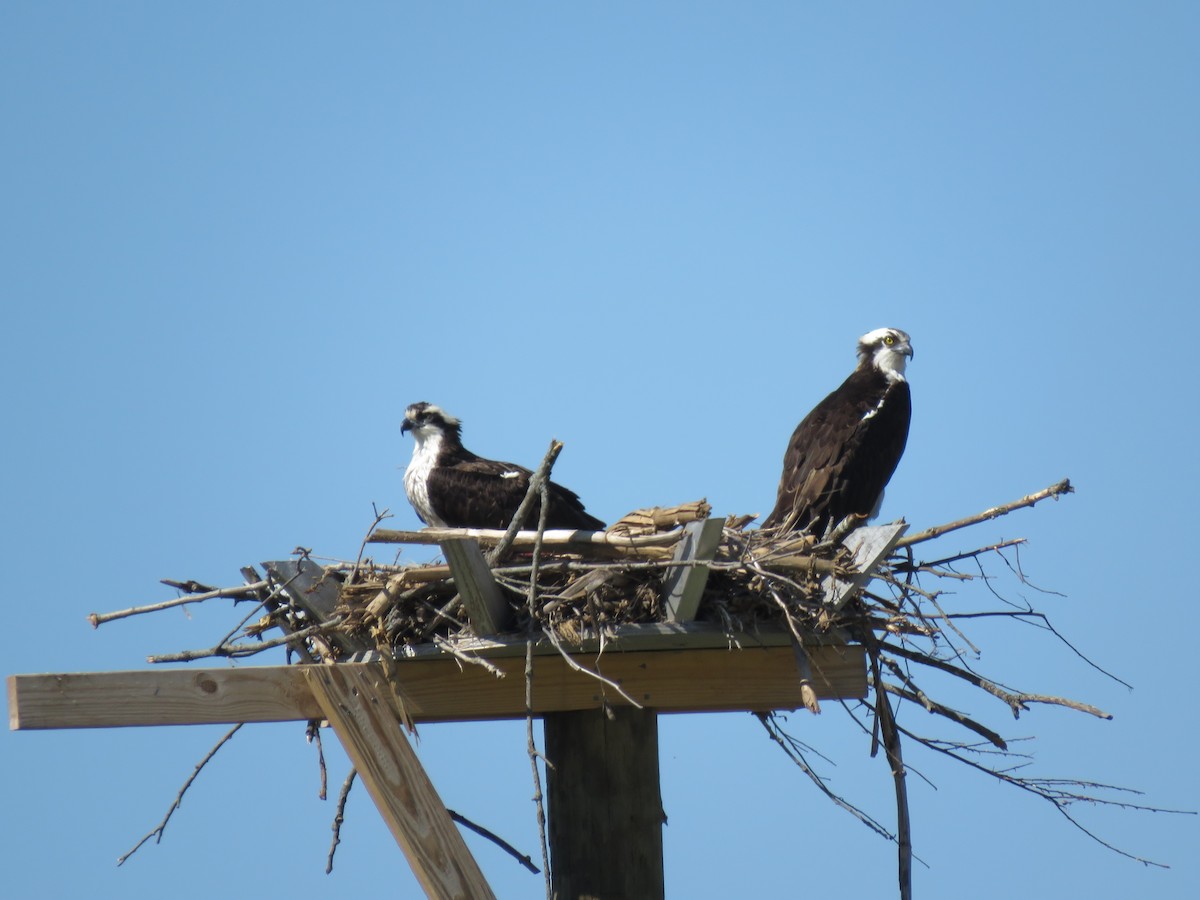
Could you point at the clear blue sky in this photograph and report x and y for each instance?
(236, 239)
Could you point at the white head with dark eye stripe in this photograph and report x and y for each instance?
(887, 350)
(427, 421)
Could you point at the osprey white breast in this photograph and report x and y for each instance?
(426, 450)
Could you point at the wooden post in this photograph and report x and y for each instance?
(605, 807)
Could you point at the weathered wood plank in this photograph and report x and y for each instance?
(311, 589)
(684, 586)
(306, 583)
(358, 703)
(604, 804)
(159, 697)
(439, 690)
(869, 546)
(481, 596)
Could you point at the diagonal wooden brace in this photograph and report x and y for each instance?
(359, 704)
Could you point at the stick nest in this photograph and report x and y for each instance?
(756, 578)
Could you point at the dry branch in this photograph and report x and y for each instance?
(339, 817)
(522, 858)
(234, 651)
(558, 537)
(1055, 491)
(98, 619)
(157, 831)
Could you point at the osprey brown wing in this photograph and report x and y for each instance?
(842, 455)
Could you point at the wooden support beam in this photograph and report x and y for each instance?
(604, 804)
(481, 596)
(640, 636)
(441, 689)
(869, 546)
(684, 585)
(359, 704)
(159, 697)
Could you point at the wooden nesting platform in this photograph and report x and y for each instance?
(699, 675)
(394, 649)
(676, 665)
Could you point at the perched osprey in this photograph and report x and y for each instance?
(841, 456)
(448, 485)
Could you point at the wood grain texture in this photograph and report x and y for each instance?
(604, 804)
(869, 546)
(440, 690)
(159, 697)
(684, 586)
(481, 596)
(358, 702)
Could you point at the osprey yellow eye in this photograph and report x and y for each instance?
(889, 340)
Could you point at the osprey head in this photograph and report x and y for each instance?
(425, 420)
(886, 349)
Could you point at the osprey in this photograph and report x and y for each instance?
(841, 456)
(448, 485)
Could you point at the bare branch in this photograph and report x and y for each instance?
(339, 817)
(1015, 701)
(522, 858)
(235, 651)
(1055, 490)
(791, 747)
(531, 600)
(157, 832)
(1051, 790)
(98, 619)
(313, 733)
(540, 477)
(362, 548)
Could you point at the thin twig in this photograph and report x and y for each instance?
(313, 733)
(1015, 701)
(339, 817)
(790, 747)
(1058, 798)
(362, 548)
(957, 557)
(953, 715)
(584, 670)
(157, 832)
(531, 600)
(448, 647)
(522, 858)
(540, 477)
(235, 651)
